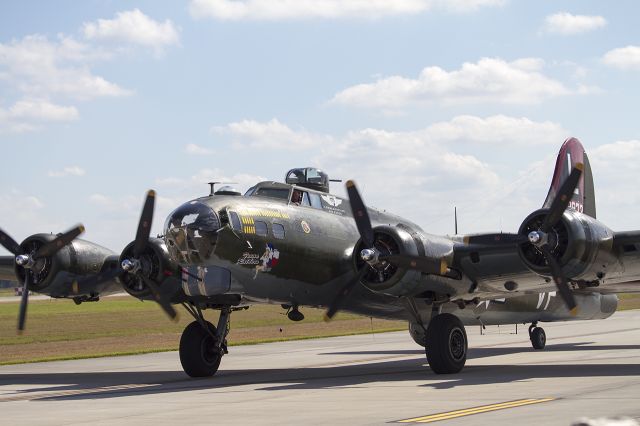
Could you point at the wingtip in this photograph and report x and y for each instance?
(579, 166)
(350, 184)
(574, 311)
(151, 193)
(326, 318)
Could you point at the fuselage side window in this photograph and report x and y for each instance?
(278, 231)
(316, 202)
(235, 221)
(261, 228)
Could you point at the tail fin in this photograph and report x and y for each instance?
(583, 200)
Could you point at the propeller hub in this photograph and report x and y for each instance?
(25, 261)
(537, 238)
(131, 265)
(369, 255)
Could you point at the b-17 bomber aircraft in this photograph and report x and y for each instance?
(295, 244)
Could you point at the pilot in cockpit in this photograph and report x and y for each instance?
(296, 197)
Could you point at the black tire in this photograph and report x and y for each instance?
(538, 338)
(446, 344)
(198, 355)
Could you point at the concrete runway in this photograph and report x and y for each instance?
(589, 368)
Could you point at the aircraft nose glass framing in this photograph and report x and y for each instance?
(190, 233)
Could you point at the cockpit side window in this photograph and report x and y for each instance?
(250, 191)
(305, 199)
(316, 203)
(300, 198)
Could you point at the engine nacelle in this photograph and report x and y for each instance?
(390, 279)
(156, 265)
(55, 275)
(581, 245)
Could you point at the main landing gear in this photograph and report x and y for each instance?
(537, 336)
(202, 345)
(446, 344)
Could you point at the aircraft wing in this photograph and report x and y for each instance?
(7, 268)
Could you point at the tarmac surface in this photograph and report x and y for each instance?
(589, 368)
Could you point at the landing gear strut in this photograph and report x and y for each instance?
(202, 345)
(537, 336)
(446, 344)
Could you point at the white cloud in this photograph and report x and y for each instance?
(197, 149)
(567, 24)
(29, 114)
(325, 9)
(67, 171)
(133, 27)
(488, 80)
(421, 173)
(626, 58)
(616, 167)
(42, 68)
(20, 212)
(272, 134)
(497, 129)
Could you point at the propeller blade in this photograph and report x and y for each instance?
(560, 280)
(495, 239)
(420, 263)
(144, 225)
(22, 315)
(9, 243)
(360, 214)
(344, 293)
(164, 304)
(52, 247)
(562, 199)
(99, 278)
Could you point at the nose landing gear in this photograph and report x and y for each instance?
(537, 336)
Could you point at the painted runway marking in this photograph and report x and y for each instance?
(475, 410)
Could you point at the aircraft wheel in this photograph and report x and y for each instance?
(446, 344)
(198, 353)
(538, 338)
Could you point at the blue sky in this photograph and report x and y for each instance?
(426, 103)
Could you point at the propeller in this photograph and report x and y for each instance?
(28, 261)
(540, 238)
(373, 257)
(132, 265)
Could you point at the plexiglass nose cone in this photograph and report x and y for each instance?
(190, 233)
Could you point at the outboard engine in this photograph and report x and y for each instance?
(56, 275)
(581, 245)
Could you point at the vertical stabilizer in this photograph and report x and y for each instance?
(583, 200)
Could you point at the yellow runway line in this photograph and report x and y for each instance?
(474, 410)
